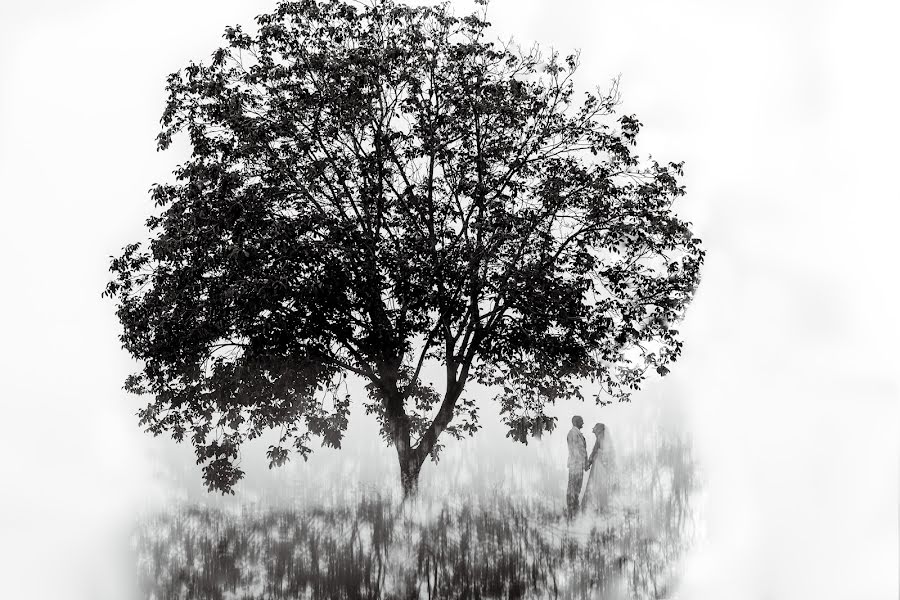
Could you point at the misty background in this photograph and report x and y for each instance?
(784, 113)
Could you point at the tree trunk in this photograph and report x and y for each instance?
(406, 457)
(409, 472)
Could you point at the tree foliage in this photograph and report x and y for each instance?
(375, 188)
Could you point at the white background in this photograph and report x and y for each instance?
(785, 113)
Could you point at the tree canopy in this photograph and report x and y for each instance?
(375, 188)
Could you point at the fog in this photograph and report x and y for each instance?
(784, 114)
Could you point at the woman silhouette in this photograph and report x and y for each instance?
(601, 481)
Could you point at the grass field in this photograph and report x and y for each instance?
(478, 545)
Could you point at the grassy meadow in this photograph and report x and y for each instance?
(500, 538)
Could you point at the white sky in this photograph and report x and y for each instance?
(785, 113)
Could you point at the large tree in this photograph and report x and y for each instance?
(373, 189)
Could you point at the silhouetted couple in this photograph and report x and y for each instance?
(600, 463)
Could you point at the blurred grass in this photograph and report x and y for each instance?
(485, 544)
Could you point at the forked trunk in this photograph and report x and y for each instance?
(409, 458)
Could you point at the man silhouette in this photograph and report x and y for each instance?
(577, 464)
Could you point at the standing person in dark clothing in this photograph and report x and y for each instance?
(577, 464)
